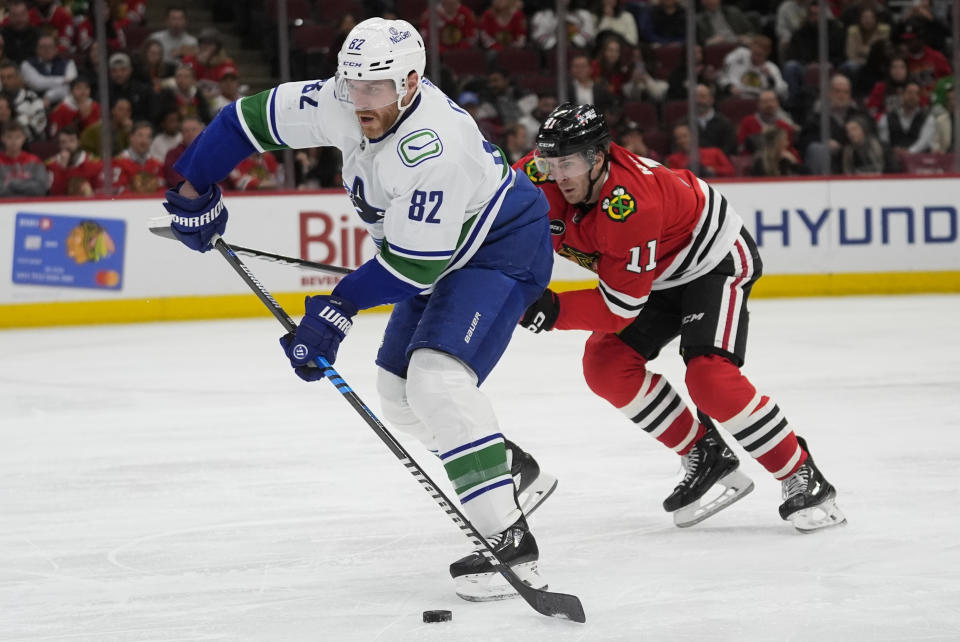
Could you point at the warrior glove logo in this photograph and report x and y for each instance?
(620, 204)
(337, 320)
(300, 351)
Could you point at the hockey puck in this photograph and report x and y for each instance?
(437, 616)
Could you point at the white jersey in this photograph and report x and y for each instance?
(428, 189)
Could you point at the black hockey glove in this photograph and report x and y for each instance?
(542, 313)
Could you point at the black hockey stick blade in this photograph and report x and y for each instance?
(167, 233)
(559, 605)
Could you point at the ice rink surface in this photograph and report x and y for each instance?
(176, 482)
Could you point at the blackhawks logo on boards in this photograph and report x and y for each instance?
(588, 261)
(533, 173)
(620, 204)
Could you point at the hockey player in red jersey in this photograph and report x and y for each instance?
(672, 258)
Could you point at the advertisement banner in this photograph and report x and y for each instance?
(68, 251)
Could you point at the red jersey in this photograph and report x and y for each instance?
(69, 180)
(495, 35)
(67, 113)
(712, 158)
(928, 67)
(139, 178)
(652, 228)
(253, 171)
(458, 31)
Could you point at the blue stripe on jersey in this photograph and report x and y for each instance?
(507, 182)
(216, 151)
(438, 253)
(273, 118)
(472, 444)
(371, 285)
(502, 482)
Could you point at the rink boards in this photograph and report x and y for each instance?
(93, 260)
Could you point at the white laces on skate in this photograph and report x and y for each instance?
(690, 464)
(796, 483)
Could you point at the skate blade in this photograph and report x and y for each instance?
(816, 518)
(536, 493)
(736, 486)
(490, 587)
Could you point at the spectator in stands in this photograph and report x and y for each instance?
(715, 129)
(774, 156)
(78, 109)
(209, 62)
(19, 34)
(611, 17)
(862, 36)
(499, 99)
(803, 49)
(942, 114)
(790, 15)
(150, 67)
(176, 41)
(747, 71)
(120, 124)
(641, 86)
(143, 101)
(718, 23)
(169, 135)
(256, 172)
(862, 153)
(677, 80)
(584, 90)
(59, 19)
(318, 167)
(184, 95)
(664, 23)
(920, 18)
(503, 25)
(632, 140)
(908, 128)
(713, 162)
(886, 95)
(88, 66)
(136, 11)
(73, 171)
(189, 130)
(456, 25)
(7, 112)
(21, 173)
(842, 109)
(27, 104)
(115, 29)
(769, 116)
(581, 27)
(532, 120)
(515, 142)
(610, 65)
(48, 73)
(483, 114)
(229, 90)
(346, 23)
(134, 170)
(926, 65)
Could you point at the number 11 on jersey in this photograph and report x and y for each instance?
(636, 260)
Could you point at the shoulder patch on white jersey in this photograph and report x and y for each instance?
(419, 146)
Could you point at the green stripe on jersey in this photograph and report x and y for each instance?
(477, 467)
(254, 110)
(424, 271)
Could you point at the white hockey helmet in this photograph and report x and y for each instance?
(378, 50)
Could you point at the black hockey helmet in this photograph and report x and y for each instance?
(573, 128)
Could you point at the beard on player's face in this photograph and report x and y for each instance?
(376, 122)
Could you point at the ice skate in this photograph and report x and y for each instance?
(710, 465)
(533, 486)
(809, 499)
(475, 579)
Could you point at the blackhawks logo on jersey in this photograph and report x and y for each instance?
(533, 173)
(588, 261)
(620, 204)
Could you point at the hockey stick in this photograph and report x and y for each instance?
(167, 233)
(558, 605)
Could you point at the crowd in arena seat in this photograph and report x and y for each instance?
(165, 84)
(757, 96)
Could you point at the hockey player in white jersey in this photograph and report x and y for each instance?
(464, 249)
